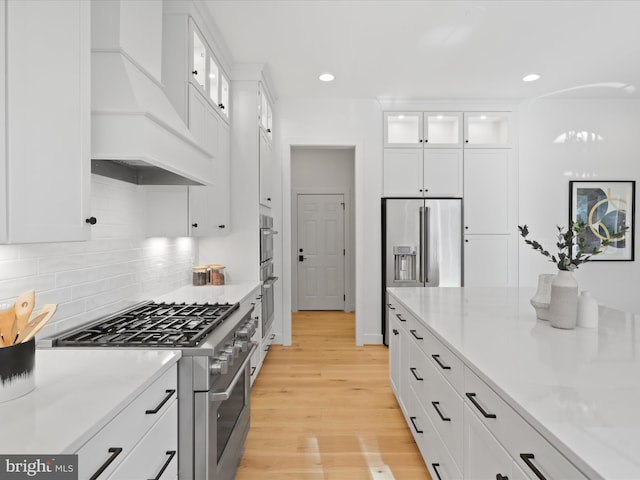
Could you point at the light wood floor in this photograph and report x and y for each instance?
(323, 409)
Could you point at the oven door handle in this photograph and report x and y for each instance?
(221, 396)
(269, 282)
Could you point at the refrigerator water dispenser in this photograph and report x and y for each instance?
(404, 263)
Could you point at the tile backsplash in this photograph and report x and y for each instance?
(116, 268)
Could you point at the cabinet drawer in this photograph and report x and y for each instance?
(529, 449)
(417, 332)
(116, 440)
(156, 455)
(446, 362)
(445, 409)
(417, 373)
(401, 313)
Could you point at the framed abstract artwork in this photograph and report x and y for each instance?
(606, 207)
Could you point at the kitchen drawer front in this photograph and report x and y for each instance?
(446, 362)
(417, 332)
(446, 412)
(529, 449)
(400, 313)
(115, 441)
(435, 454)
(417, 373)
(156, 455)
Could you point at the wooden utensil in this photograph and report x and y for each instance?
(8, 326)
(36, 323)
(23, 307)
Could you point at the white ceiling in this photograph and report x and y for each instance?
(431, 49)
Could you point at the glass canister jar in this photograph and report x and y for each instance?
(217, 274)
(200, 275)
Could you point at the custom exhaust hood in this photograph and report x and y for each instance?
(136, 134)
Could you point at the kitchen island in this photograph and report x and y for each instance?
(577, 389)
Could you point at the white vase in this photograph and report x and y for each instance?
(564, 300)
(587, 310)
(542, 298)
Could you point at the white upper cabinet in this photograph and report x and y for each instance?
(487, 130)
(206, 72)
(266, 170)
(423, 129)
(45, 125)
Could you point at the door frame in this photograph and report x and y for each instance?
(358, 222)
(347, 229)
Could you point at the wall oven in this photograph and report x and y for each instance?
(266, 271)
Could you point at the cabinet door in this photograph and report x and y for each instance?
(403, 172)
(487, 130)
(488, 185)
(47, 166)
(224, 96)
(209, 206)
(484, 457)
(266, 171)
(403, 129)
(198, 59)
(489, 260)
(442, 130)
(394, 352)
(443, 172)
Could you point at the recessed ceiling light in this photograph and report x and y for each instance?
(532, 77)
(326, 77)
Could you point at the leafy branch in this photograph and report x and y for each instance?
(565, 260)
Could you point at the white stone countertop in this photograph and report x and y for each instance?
(231, 293)
(579, 388)
(78, 391)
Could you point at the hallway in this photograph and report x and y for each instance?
(323, 409)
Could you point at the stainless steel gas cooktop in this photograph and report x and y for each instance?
(152, 325)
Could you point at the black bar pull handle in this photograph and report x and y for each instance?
(413, 422)
(499, 476)
(442, 417)
(164, 400)
(485, 414)
(435, 469)
(391, 307)
(415, 335)
(114, 451)
(400, 317)
(526, 458)
(436, 357)
(396, 332)
(413, 370)
(171, 453)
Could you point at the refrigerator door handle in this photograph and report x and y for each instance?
(422, 246)
(424, 231)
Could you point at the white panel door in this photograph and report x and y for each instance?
(484, 457)
(487, 261)
(320, 249)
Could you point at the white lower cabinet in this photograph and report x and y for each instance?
(463, 428)
(256, 358)
(128, 443)
(156, 456)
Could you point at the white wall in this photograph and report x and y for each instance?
(326, 170)
(321, 122)
(546, 167)
(90, 279)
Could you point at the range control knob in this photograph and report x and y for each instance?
(219, 366)
(243, 333)
(231, 353)
(243, 345)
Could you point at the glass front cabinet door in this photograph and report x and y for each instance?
(442, 130)
(487, 130)
(402, 129)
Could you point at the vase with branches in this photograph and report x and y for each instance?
(572, 252)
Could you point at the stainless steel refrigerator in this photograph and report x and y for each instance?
(421, 245)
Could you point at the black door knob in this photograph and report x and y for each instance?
(194, 225)
(91, 220)
(221, 226)
(195, 72)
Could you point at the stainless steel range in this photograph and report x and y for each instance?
(213, 374)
